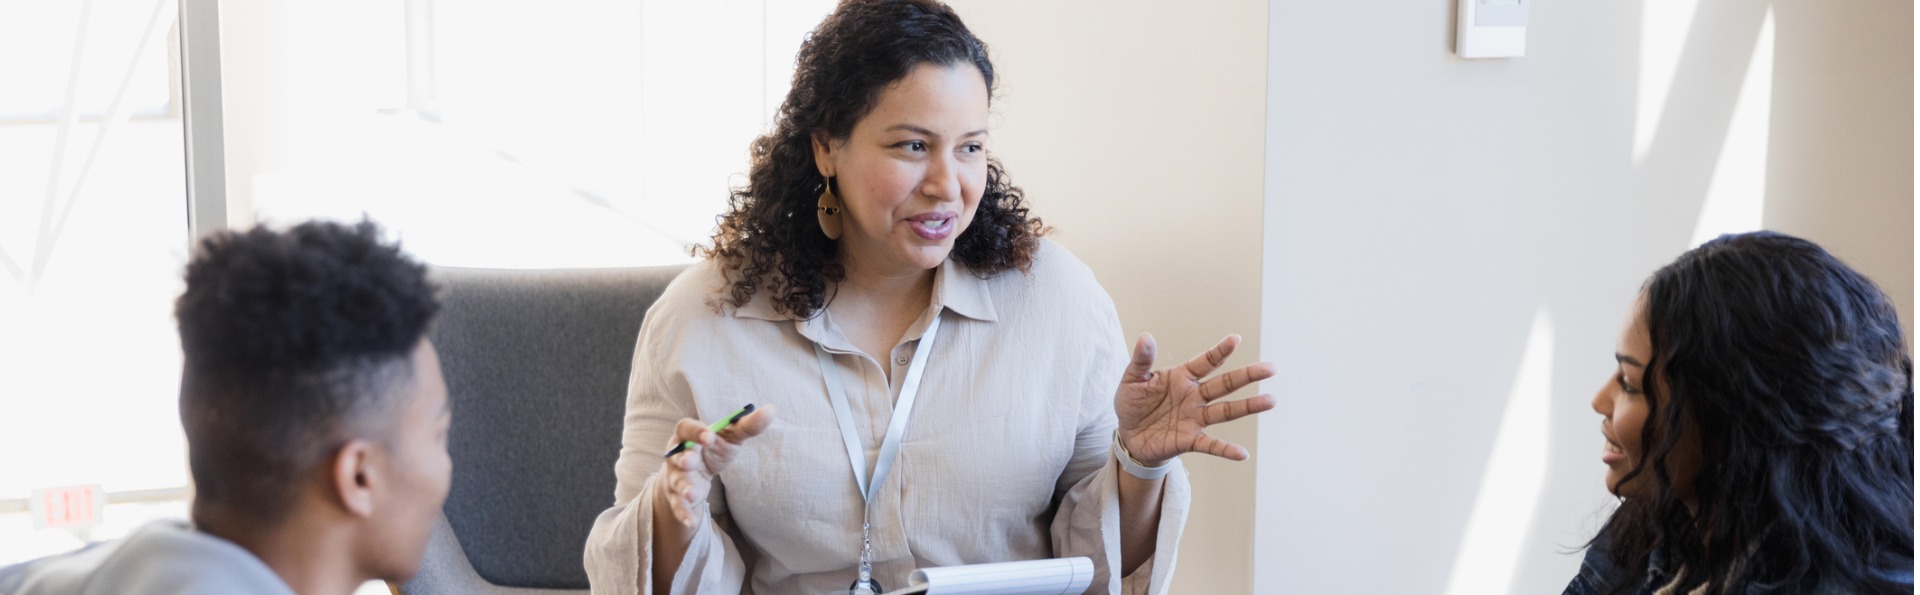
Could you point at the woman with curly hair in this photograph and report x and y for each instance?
(1759, 430)
(937, 384)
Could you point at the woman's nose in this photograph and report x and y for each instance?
(1603, 400)
(942, 181)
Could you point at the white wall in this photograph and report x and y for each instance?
(1135, 128)
(1450, 246)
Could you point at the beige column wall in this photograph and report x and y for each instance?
(1137, 130)
(1840, 164)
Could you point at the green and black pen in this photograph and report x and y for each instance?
(731, 419)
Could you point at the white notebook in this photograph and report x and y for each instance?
(1053, 576)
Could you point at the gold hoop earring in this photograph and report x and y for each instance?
(829, 212)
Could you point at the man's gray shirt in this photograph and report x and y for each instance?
(161, 558)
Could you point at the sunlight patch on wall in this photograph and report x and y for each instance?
(1736, 198)
(1514, 477)
(1664, 25)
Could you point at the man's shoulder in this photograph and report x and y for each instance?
(163, 558)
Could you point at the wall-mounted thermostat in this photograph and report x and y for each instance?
(1492, 28)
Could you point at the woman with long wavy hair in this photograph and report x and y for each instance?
(1759, 430)
(950, 387)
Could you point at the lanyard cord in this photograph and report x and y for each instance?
(902, 409)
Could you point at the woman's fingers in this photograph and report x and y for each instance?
(1202, 365)
(686, 483)
(689, 472)
(1231, 410)
(1141, 367)
(689, 429)
(718, 454)
(676, 483)
(720, 451)
(1225, 384)
(1219, 448)
(748, 427)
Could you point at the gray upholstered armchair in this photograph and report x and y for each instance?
(536, 365)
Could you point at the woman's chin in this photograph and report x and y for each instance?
(926, 256)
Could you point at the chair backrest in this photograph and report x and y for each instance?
(536, 363)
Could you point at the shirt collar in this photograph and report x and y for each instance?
(960, 290)
(759, 306)
(955, 287)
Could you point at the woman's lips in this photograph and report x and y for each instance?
(1612, 454)
(932, 227)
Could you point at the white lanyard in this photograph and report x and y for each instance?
(889, 446)
(902, 408)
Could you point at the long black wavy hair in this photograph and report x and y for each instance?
(1792, 372)
(769, 239)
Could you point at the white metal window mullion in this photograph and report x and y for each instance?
(200, 97)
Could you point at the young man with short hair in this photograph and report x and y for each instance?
(315, 416)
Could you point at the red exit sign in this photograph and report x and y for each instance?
(71, 507)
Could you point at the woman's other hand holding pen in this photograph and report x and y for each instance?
(687, 476)
(685, 479)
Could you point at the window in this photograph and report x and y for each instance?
(93, 235)
(531, 135)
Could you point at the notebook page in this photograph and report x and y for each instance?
(1054, 576)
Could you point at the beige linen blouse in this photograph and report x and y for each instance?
(1007, 455)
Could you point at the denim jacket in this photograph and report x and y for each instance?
(1597, 572)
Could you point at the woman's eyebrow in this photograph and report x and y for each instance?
(922, 131)
(1628, 360)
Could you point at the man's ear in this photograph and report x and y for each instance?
(823, 153)
(353, 477)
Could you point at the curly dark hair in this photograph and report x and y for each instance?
(1792, 371)
(293, 341)
(769, 238)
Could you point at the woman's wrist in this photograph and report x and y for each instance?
(1148, 470)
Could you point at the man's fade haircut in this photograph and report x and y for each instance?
(295, 341)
